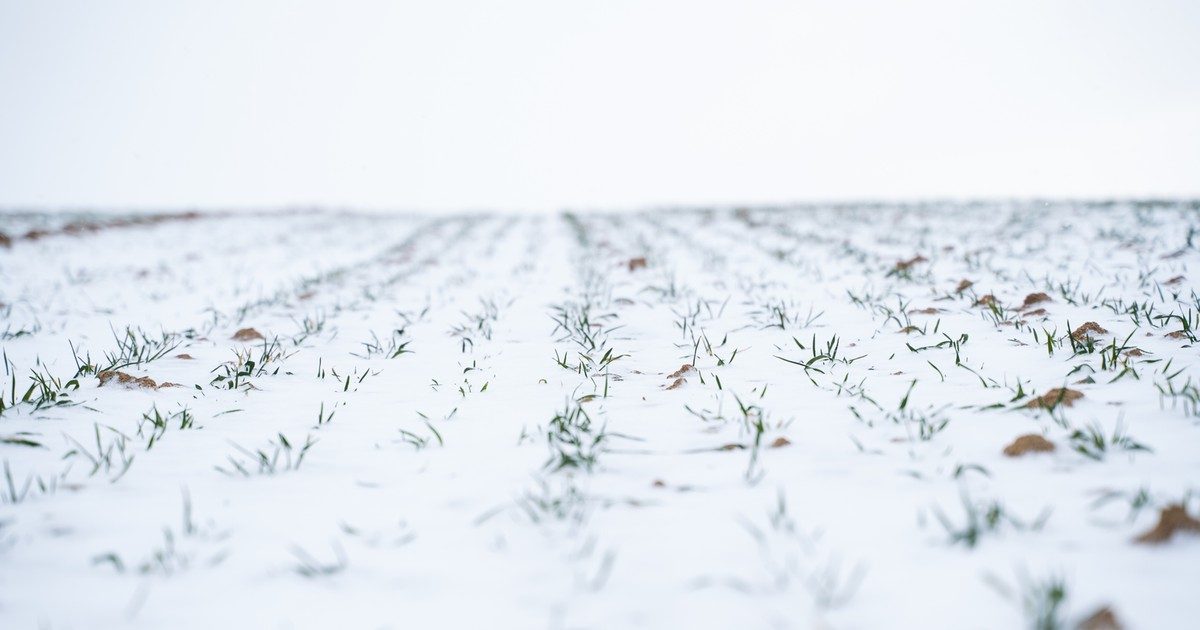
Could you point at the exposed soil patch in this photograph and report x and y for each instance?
(905, 265)
(677, 384)
(683, 369)
(963, 285)
(1174, 281)
(1178, 334)
(1086, 329)
(986, 300)
(781, 442)
(76, 228)
(1035, 298)
(1103, 619)
(1134, 352)
(129, 380)
(636, 263)
(925, 311)
(247, 334)
(1028, 443)
(908, 330)
(1171, 519)
(1055, 397)
(185, 356)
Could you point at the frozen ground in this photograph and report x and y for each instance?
(485, 421)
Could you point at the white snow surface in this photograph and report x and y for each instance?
(425, 359)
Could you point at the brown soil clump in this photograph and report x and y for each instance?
(1087, 329)
(185, 356)
(1103, 619)
(1178, 334)
(659, 483)
(905, 265)
(677, 384)
(731, 447)
(1035, 298)
(1053, 398)
(1174, 281)
(129, 381)
(1171, 519)
(1134, 352)
(986, 300)
(1028, 443)
(636, 263)
(925, 311)
(1037, 312)
(247, 334)
(683, 369)
(780, 442)
(77, 228)
(908, 330)
(963, 285)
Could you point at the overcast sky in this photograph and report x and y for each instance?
(542, 105)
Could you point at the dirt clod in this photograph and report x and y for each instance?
(925, 311)
(185, 356)
(1174, 281)
(963, 285)
(1102, 619)
(986, 300)
(905, 265)
(1087, 329)
(1055, 397)
(636, 263)
(1037, 312)
(1178, 334)
(683, 369)
(247, 334)
(1035, 298)
(1028, 443)
(677, 384)
(1171, 519)
(780, 442)
(128, 380)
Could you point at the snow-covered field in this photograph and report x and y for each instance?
(793, 417)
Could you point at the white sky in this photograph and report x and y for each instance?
(515, 104)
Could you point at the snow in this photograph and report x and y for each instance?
(433, 496)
